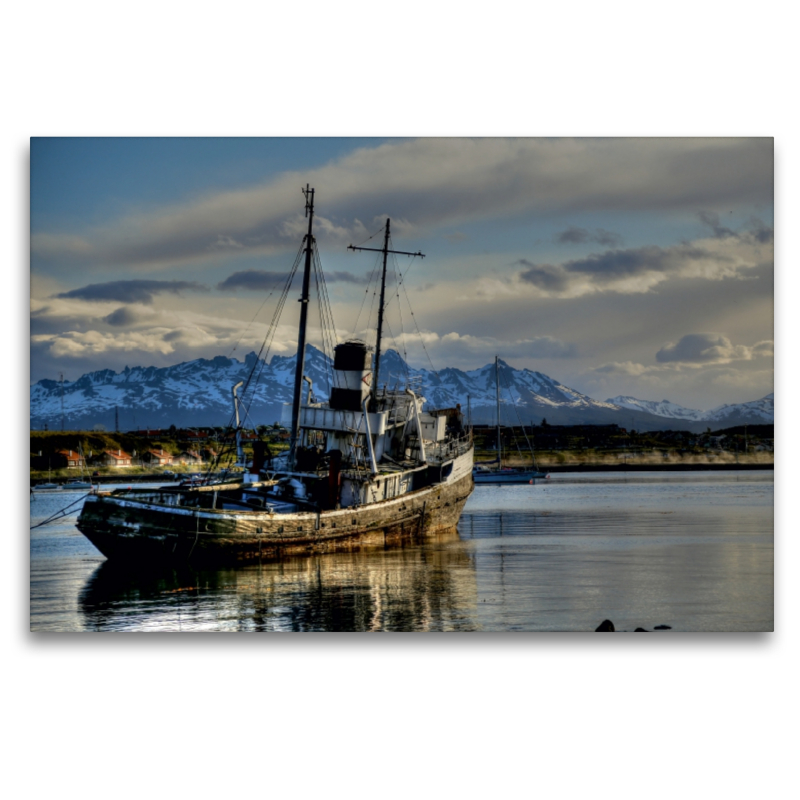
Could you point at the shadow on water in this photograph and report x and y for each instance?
(412, 587)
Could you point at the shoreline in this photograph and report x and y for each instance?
(156, 478)
(655, 467)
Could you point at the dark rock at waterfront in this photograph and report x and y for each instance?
(663, 628)
(605, 626)
(641, 630)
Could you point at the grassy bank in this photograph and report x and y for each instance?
(551, 459)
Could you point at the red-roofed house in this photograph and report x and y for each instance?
(161, 457)
(74, 460)
(115, 458)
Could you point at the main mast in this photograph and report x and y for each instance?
(497, 386)
(385, 250)
(301, 336)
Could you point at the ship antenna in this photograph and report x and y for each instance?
(301, 337)
(385, 250)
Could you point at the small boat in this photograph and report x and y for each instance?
(367, 467)
(494, 471)
(47, 486)
(78, 484)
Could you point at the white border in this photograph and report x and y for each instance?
(484, 715)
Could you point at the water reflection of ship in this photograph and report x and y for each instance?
(430, 586)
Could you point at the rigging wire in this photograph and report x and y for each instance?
(400, 312)
(243, 401)
(363, 299)
(419, 332)
(249, 324)
(519, 420)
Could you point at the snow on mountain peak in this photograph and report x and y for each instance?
(199, 393)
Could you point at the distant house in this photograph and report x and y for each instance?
(115, 458)
(194, 435)
(189, 457)
(157, 457)
(207, 454)
(71, 459)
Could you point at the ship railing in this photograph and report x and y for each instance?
(446, 450)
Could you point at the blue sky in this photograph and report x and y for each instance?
(580, 258)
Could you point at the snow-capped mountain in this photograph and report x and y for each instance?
(756, 411)
(663, 408)
(187, 394)
(198, 392)
(522, 392)
(762, 410)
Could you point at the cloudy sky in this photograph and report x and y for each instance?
(617, 266)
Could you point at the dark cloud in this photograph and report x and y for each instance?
(712, 220)
(136, 291)
(575, 235)
(755, 231)
(258, 279)
(543, 276)
(760, 232)
(122, 317)
(615, 265)
(700, 348)
(347, 277)
(252, 279)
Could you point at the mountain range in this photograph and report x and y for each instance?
(197, 393)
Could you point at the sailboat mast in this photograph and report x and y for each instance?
(301, 336)
(497, 387)
(380, 318)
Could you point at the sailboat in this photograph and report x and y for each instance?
(366, 467)
(48, 485)
(494, 471)
(79, 483)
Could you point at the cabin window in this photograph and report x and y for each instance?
(299, 527)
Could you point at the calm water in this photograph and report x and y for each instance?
(690, 550)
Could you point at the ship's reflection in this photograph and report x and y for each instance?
(416, 587)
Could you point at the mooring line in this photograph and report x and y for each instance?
(58, 514)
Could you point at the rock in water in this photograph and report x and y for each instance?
(605, 626)
(663, 628)
(641, 630)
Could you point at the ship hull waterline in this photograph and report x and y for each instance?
(138, 532)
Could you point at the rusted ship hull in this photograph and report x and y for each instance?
(136, 528)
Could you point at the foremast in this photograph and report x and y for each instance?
(301, 337)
